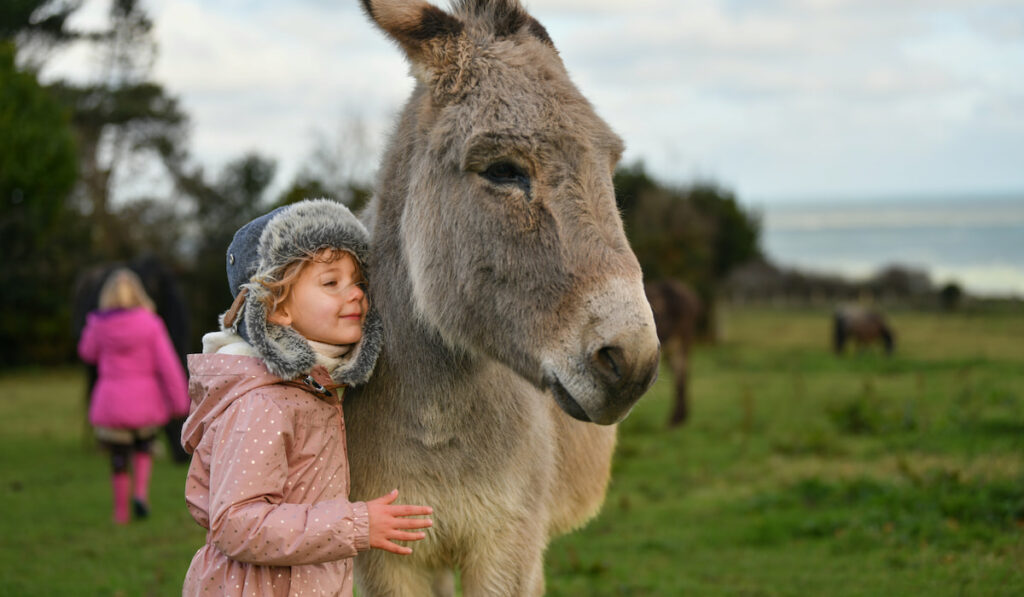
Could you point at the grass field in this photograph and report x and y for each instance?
(799, 473)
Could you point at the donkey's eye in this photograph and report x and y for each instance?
(507, 173)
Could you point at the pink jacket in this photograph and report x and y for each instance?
(276, 505)
(141, 382)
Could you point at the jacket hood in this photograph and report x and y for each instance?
(264, 246)
(214, 382)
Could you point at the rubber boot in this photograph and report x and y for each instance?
(122, 490)
(142, 467)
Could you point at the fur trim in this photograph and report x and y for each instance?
(306, 227)
(357, 370)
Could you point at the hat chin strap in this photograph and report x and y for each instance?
(231, 314)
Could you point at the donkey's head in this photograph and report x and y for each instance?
(499, 186)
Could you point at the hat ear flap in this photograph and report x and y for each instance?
(359, 366)
(286, 353)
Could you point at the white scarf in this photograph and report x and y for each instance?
(227, 342)
(329, 355)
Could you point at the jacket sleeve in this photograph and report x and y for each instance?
(172, 374)
(87, 343)
(248, 473)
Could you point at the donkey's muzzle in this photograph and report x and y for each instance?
(624, 370)
(609, 358)
(623, 374)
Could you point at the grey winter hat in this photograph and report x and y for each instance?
(260, 250)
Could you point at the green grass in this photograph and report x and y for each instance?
(58, 538)
(799, 473)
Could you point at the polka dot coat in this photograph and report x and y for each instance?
(269, 481)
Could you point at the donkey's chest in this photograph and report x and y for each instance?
(484, 430)
(493, 419)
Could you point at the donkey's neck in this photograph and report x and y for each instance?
(415, 354)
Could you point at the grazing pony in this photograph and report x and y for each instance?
(677, 309)
(516, 332)
(863, 326)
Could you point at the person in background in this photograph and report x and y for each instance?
(140, 385)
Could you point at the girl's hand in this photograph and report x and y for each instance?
(387, 523)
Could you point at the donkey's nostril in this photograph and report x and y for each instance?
(609, 361)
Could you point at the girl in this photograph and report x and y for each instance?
(269, 473)
(140, 384)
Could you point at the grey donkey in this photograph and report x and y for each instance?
(516, 331)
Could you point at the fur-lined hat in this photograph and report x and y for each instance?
(259, 250)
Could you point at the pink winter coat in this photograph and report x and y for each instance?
(269, 481)
(141, 382)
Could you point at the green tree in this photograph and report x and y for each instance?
(37, 171)
(57, 222)
(305, 186)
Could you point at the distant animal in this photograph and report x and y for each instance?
(677, 309)
(863, 326)
(162, 286)
(516, 331)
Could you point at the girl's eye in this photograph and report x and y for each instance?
(330, 283)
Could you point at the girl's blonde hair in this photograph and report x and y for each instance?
(280, 283)
(123, 290)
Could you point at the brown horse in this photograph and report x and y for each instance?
(863, 326)
(516, 331)
(677, 309)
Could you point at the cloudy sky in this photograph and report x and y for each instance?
(777, 99)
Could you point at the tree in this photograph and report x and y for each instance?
(36, 27)
(238, 196)
(950, 296)
(37, 171)
(303, 187)
(37, 163)
(119, 120)
(56, 224)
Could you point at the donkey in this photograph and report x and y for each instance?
(515, 324)
(677, 309)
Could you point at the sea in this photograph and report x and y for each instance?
(976, 242)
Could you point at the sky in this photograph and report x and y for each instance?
(777, 100)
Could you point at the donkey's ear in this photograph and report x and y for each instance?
(506, 18)
(418, 26)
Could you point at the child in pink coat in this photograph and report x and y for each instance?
(140, 384)
(269, 474)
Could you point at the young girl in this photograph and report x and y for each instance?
(269, 473)
(140, 384)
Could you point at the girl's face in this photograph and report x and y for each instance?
(326, 303)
